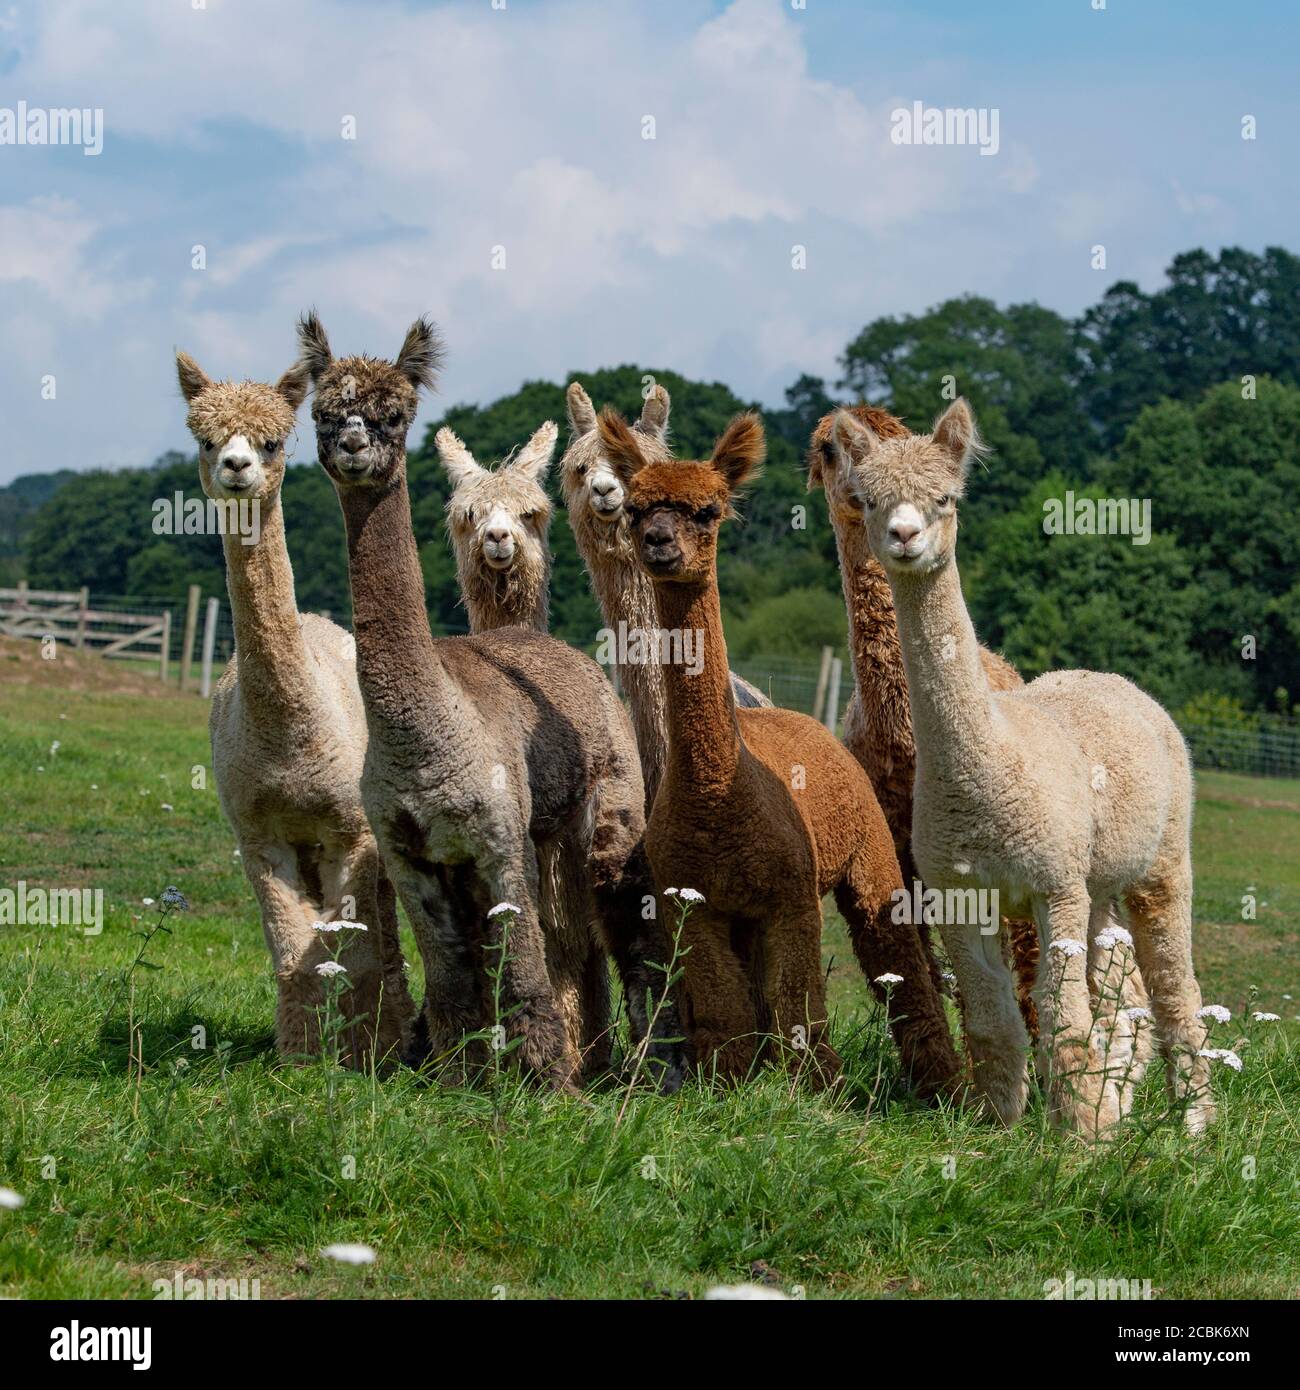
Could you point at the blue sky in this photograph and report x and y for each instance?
(522, 128)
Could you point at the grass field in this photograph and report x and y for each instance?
(235, 1166)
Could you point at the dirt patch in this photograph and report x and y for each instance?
(21, 663)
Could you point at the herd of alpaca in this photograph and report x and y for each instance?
(535, 830)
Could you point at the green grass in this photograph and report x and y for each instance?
(236, 1165)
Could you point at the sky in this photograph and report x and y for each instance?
(486, 162)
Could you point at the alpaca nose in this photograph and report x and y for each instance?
(602, 487)
(498, 535)
(236, 462)
(658, 533)
(903, 531)
(353, 443)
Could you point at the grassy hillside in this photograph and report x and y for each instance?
(232, 1165)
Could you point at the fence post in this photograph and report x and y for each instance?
(83, 603)
(191, 624)
(165, 649)
(209, 643)
(22, 594)
(819, 703)
(833, 695)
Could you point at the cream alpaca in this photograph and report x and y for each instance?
(289, 738)
(594, 492)
(498, 520)
(1065, 795)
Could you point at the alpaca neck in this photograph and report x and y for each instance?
(509, 598)
(953, 718)
(873, 624)
(703, 734)
(276, 675)
(398, 666)
(626, 597)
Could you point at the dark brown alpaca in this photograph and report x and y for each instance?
(763, 811)
(494, 761)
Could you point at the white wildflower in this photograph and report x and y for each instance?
(1266, 1018)
(1215, 1011)
(1222, 1054)
(889, 978)
(55, 746)
(339, 926)
(331, 967)
(1113, 936)
(350, 1254)
(11, 1200)
(1068, 946)
(167, 806)
(148, 902)
(505, 907)
(1136, 1014)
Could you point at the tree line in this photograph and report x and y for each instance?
(1186, 398)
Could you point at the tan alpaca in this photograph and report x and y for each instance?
(289, 738)
(1064, 795)
(498, 520)
(878, 721)
(763, 811)
(491, 757)
(594, 494)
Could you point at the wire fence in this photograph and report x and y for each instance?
(1260, 745)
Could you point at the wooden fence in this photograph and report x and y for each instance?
(69, 618)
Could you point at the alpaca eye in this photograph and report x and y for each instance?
(945, 499)
(272, 446)
(469, 515)
(867, 503)
(709, 513)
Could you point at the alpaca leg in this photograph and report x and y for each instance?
(1114, 1032)
(883, 947)
(1133, 994)
(397, 999)
(1160, 911)
(596, 1042)
(907, 866)
(1020, 949)
(634, 932)
(377, 1020)
(515, 946)
(1072, 1058)
(721, 1019)
(296, 950)
(996, 1041)
(795, 988)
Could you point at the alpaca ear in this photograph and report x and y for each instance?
(193, 378)
(741, 450)
(316, 354)
(421, 354)
(582, 414)
(535, 457)
(294, 384)
(456, 458)
(655, 412)
(955, 433)
(619, 444)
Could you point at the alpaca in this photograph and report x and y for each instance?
(288, 740)
(878, 721)
(763, 811)
(498, 520)
(1064, 795)
(594, 496)
(493, 759)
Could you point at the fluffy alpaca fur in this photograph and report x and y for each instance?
(498, 520)
(491, 757)
(1064, 795)
(762, 810)
(594, 495)
(288, 741)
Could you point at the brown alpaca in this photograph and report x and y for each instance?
(288, 741)
(594, 495)
(498, 520)
(762, 810)
(492, 760)
(878, 721)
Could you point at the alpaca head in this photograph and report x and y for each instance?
(675, 507)
(241, 428)
(824, 469)
(363, 406)
(908, 487)
(594, 489)
(499, 518)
